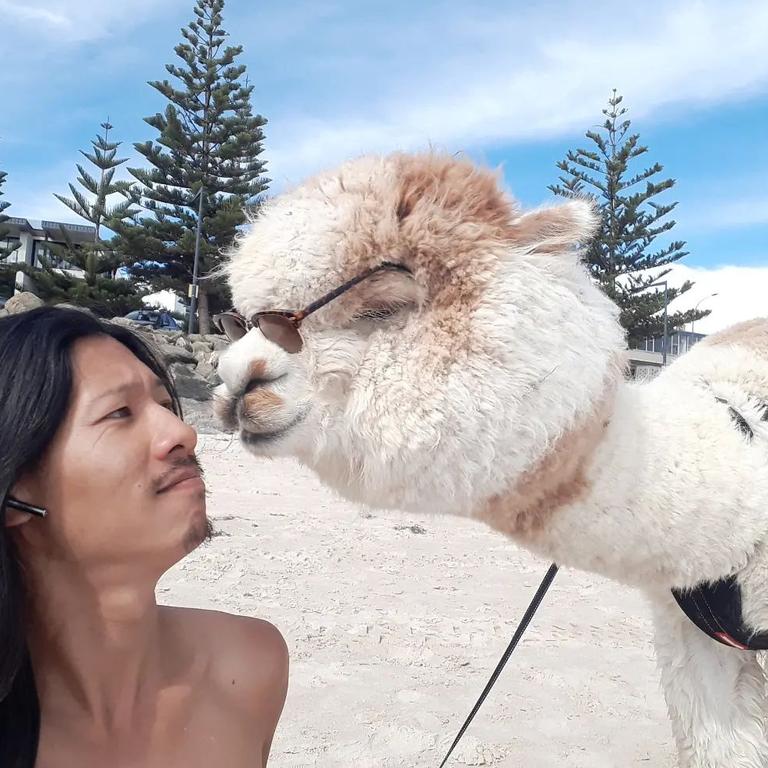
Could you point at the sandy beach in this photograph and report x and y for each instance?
(394, 623)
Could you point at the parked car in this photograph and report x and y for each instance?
(159, 320)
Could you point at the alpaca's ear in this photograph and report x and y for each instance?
(557, 228)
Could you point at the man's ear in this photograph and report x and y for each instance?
(21, 491)
(15, 518)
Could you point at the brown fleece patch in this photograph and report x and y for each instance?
(257, 371)
(225, 410)
(460, 191)
(557, 481)
(451, 220)
(555, 229)
(752, 334)
(256, 403)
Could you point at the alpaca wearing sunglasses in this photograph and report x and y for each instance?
(485, 378)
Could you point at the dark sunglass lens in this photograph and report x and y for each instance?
(233, 327)
(281, 331)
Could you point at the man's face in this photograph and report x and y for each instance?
(120, 480)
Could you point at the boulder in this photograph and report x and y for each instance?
(201, 350)
(173, 354)
(218, 343)
(23, 302)
(204, 369)
(189, 385)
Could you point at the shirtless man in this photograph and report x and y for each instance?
(93, 672)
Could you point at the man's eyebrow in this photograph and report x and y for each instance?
(124, 389)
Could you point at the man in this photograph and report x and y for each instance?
(90, 433)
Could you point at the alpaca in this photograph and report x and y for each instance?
(486, 378)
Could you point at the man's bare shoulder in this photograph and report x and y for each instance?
(248, 657)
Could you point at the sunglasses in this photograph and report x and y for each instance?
(282, 326)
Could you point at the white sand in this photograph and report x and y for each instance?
(394, 623)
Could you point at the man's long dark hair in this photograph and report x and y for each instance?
(35, 391)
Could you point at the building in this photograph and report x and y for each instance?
(648, 360)
(35, 239)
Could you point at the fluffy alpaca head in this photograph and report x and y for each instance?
(431, 389)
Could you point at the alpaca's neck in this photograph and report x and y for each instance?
(661, 492)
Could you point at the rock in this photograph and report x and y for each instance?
(219, 343)
(213, 379)
(4, 312)
(204, 369)
(23, 302)
(201, 350)
(189, 385)
(173, 354)
(184, 343)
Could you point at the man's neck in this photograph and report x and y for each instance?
(95, 642)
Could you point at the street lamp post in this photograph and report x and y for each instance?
(665, 339)
(193, 287)
(693, 322)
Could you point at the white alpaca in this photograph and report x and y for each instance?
(488, 382)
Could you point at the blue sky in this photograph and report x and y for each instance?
(506, 83)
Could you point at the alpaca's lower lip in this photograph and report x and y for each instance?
(248, 437)
(259, 438)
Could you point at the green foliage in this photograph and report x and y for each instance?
(98, 289)
(630, 252)
(96, 210)
(208, 139)
(5, 251)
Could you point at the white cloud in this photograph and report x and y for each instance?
(34, 14)
(742, 294)
(522, 78)
(74, 21)
(712, 215)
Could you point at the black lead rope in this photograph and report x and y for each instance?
(526, 620)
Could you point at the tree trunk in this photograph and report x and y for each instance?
(203, 315)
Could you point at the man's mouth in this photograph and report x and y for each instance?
(188, 477)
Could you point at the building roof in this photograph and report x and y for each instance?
(50, 230)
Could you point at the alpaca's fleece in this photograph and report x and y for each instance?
(489, 383)
(442, 405)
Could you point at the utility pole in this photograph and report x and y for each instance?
(665, 339)
(193, 287)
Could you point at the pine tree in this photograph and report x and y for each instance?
(96, 211)
(96, 287)
(624, 257)
(5, 249)
(209, 142)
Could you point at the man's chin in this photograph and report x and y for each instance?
(200, 532)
